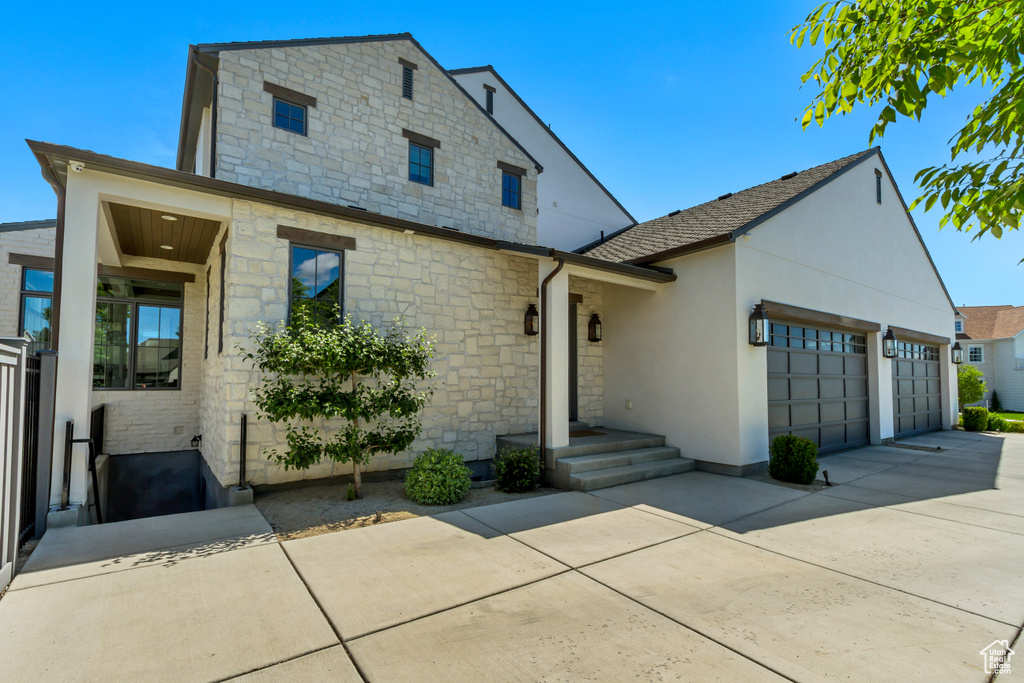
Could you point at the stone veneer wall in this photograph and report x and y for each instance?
(471, 299)
(39, 242)
(161, 420)
(354, 152)
(590, 356)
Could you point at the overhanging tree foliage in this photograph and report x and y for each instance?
(901, 52)
(313, 373)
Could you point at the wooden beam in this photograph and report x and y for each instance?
(779, 311)
(147, 274)
(316, 239)
(903, 334)
(44, 262)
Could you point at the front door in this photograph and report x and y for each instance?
(574, 393)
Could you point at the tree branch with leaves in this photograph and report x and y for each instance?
(377, 381)
(904, 53)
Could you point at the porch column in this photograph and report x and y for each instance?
(77, 327)
(554, 322)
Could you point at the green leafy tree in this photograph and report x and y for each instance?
(970, 385)
(900, 53)
(312, 373)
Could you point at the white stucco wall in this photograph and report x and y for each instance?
(572, 208)
(682, 355)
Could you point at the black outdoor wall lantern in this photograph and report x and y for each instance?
(530, 320)
(594, 328)
(958, 353)
(196, 440)
(889, 344)
(759, 326)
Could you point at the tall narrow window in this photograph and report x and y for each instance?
(316, 283)
(206, 333)
(490, 99)
(138, 334)
(510, 190)
(223, 291)
(421, 164)
(878, 186)
(36, 307)
(289, 116)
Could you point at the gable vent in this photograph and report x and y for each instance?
(794, 174)
(725, 196)
(490, 101)
(407, 81)
(676, 212)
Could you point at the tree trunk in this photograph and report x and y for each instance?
(357, 476)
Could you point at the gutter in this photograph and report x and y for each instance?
(544, 361)
(213, 111)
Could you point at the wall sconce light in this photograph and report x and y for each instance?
(531, 320)
(594, 328)
(196, 440)
(889, 344)
(958, 353)
(759, 326)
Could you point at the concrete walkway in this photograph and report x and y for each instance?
(903, 571)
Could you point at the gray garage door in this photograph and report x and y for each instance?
(818, 385)
(916, 390)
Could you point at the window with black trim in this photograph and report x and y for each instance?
(317, 276)
(138, 334)
(36, 307)
(289, 116)
(511, 190)
(421, 164)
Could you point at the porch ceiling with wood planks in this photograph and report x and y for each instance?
(146, 232)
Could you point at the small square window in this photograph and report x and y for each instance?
(975, 354)
(510, 190)
(421, 164)
(289, 116)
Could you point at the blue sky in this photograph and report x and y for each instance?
(670, 104)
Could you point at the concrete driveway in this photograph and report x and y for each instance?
(903, 571)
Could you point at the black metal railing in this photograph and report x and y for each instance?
(65, 492)
(30, 450)
(97, 422)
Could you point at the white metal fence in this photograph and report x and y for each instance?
(12, 390)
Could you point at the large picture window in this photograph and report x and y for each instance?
(138, 334)
(317, 276)
(36, 307)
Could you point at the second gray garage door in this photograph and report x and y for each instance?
(916, 389)
(818, 385)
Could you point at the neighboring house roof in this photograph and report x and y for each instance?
(722, 219)
(212, 49)
(991, 322)
(28, 225)
(478, 69)
(53, 161)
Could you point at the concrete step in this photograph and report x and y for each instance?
(603, 461)
(610, 441)
(615, 476)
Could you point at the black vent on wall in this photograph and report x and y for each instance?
(407, 82)
(878, 186)
(490, 102)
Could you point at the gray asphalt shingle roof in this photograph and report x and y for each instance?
(717, 218)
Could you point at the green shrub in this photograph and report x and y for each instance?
(975, 419)
(970, 384)
(438, 477)
(517, 470)
(996, 423)
(997, 407)
(1013, 427)
(793, 459)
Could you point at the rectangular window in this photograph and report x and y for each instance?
(36, 307)
(138, 334)
(421, 164)
(975, 354)
(206, 332)
(959, 325)
(289, 116)
(316, 283)
(407, 81)
(510, 190)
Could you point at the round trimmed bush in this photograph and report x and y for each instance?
(437, 477)
(793, 459)
(517, 470)
(975, 419)
(996, 423)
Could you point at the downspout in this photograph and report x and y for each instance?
(544, 361)
(213, 114)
